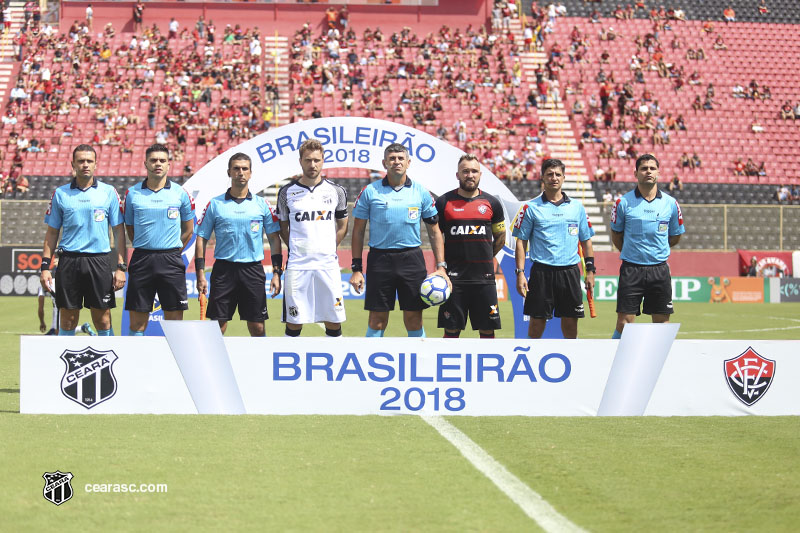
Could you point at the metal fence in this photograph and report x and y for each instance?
(731, 227)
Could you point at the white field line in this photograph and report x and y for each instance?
(531, 503)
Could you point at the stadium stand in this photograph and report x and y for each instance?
(514, 90)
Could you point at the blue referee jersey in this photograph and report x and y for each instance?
(83, 216)
(647, 226)
(238, 224)
(553, 230)
(156, 216)
(393, 215)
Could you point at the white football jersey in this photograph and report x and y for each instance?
(312, 214)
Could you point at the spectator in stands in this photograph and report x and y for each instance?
(607, 197)
(173, 29)
(675, 184)
(762, 169)
(696, 160)
(795, 192)
(685, 161)
(89, 16)
(752, 270)
(787, 111)
(738, 166)
(782, 194)
(729, 14)
(719, 43)
(22, 186)
(756, 126)
(762, 7)
(750, 168)
(138, 16)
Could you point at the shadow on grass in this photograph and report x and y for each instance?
(9, 391)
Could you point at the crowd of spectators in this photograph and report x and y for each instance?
(196, 86)
(472, 74)
(786, 195)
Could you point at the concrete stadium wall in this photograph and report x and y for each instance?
(682, 263)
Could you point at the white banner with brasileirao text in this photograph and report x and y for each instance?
(357, 376)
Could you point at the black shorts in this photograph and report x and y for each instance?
(554, 289)
(238, 284)
(651, 283)
(84, 280)
(479, 300)
(391, 272)
(156, 271)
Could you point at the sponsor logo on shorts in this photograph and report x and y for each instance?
(749, 376)
(173, 212)
(293, 311)
(57, 486)
(493, 310)
(338, 303)
(579, 309)
(99, 215)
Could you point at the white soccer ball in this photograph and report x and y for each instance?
(434, 290)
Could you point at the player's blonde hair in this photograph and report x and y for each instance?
(311, 145)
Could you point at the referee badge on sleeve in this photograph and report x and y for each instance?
(173, 212)
(255, 226)
(572, 229)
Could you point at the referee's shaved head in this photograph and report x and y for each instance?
(239, 156)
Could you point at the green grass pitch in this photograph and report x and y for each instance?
(270, 473)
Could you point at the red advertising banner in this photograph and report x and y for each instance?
(767, 264)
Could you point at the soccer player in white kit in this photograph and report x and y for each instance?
(313, 217)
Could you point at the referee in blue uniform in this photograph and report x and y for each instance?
(159, 217)
(82, 211)
(394, 208)
(554, 224)
(239, 219)
(645, 224)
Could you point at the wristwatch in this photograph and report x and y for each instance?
(519, 270)
(122, 266)
(441, 264)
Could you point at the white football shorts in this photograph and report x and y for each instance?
(311, 296)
